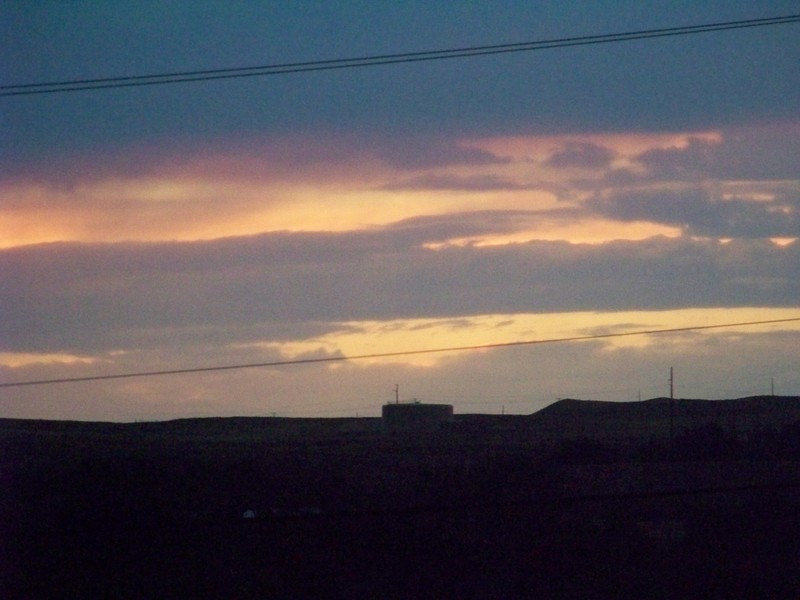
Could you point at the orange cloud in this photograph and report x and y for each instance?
(309, 184)
(359, 338)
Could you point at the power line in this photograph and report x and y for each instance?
(330, 359)
(381, 59)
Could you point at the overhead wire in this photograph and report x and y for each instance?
(400, 353)
(75, 85)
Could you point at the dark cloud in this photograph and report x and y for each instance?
(416, 231)
(582, 154)
(472, 183)
(88, 297)
(694, 160)
(757, 153)
(415, 153)
(699, 213)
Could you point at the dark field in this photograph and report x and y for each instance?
(581, 500)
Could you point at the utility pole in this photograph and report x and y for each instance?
(671, 385)
(772, 386)
(397, 393)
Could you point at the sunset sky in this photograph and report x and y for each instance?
(565, 192)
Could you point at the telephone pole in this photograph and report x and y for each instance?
(671, 385)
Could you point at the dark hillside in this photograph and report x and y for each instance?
(584, 499)
(635, 422)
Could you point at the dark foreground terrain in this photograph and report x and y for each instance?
(581, 500)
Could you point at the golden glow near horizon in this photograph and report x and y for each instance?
(358, 338)
(242, 193)
(24, 359)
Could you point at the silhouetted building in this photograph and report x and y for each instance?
(415, 416)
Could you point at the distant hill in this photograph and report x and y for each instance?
(566, 419)
(219, 428)
(652, 419)
(258, 507)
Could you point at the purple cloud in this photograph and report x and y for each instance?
(81, 297)
(698, 213)
(583, 155)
